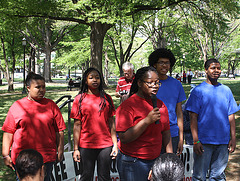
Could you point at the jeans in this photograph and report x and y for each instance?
(214, 158)
(133, 169)
(88, 159)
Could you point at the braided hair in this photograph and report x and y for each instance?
(103, 95)
(140, 75)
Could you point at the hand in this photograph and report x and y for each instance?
(114, 152)
(232, 145)
(198, 148)
(8, 162)
(153, 116)
(180, 148)
(76, 155)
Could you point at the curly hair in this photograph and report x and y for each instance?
(161, 53)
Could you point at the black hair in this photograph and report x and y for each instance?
(84, 89)
(161, 53)
(33, 76)
(209, 61)
(168, 167)
(140, 75)
(28, 163)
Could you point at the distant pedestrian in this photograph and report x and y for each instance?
(212, 108)
(189, 76)
(70, 84)
(184, 77)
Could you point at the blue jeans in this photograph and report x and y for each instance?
(134, 169)
(214, 158)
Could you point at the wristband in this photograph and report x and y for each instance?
(196, 142)
(75, 149)
(5, 156)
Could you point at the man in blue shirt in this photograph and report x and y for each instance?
(212, 107)
(171, 93)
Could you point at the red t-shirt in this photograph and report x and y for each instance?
(34, 125)
(95, 131)
(124, 84)
(129, 113)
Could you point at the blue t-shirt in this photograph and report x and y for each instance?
(213, 104)
(171, 92)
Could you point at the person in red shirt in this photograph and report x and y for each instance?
(34, 122)
(94, 131)
(184, 76)
(141, 139)
(125, 82)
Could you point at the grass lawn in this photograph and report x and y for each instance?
(56, 90)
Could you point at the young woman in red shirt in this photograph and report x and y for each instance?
(141, 139)
(94, 129)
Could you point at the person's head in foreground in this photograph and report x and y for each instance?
(29, 165)
(167, 167)
(128, 70)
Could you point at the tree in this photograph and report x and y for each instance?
(122, 36)
(100, 16)
(209, 28)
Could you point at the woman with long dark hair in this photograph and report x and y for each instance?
(94, 129)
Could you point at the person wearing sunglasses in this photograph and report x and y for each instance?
(171, 93)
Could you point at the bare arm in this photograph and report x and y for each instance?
(167, 141)
(112, 126)
(180, 125)
(232, 142)
(6, 145)
(198, 149)
(135, 131)
(60, 145)
(76, 136)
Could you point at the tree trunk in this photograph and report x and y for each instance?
(98, 32)
(106, 68)
(47, 66)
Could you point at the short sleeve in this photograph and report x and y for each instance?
(182, 95)
(75, 113)
(123, 117)
(9, 125)
(233, 108)
(193, 103)
(60, 124)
